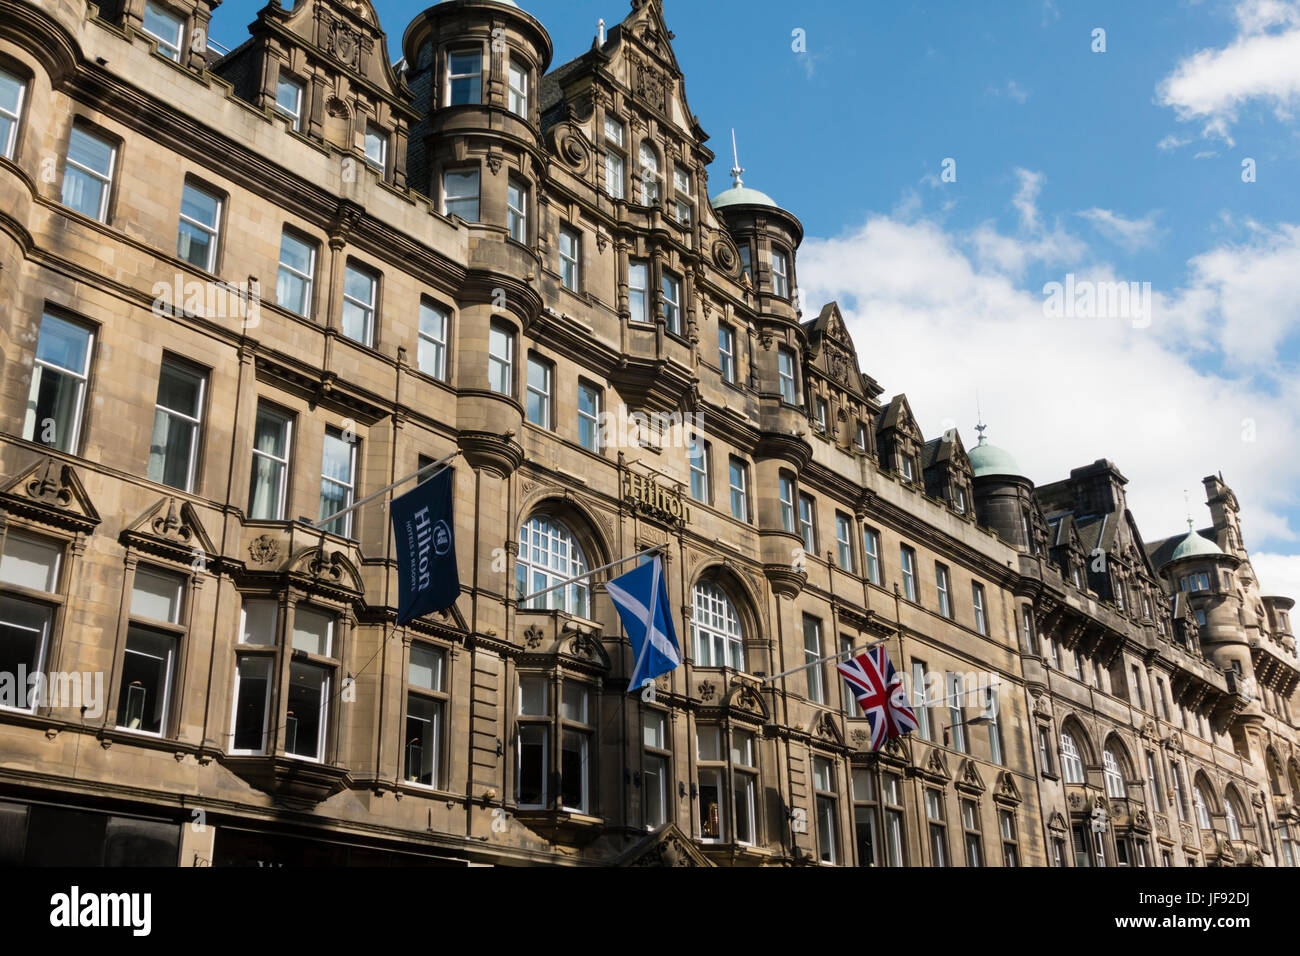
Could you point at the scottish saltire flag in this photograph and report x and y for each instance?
(641, 597)
(879, 690)
(426, 549)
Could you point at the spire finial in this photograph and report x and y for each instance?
(1188, 503)
(736, 170)
(979, 416)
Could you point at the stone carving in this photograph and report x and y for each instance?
(572, 148)
(533, 637)
(264, 549)
(707, 690)
(650, 85)
(725, 256)
(50, 485)
(860, 738)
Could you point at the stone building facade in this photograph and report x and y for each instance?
(242, 287)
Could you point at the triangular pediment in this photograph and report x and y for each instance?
(1007, 791)
(666, 846)
(969, 778)
(936, 765)
(171, 529)
(49, 492)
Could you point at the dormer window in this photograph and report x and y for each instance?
(518, 96)
(288, 99)
(465, 77)
(165, 27)
(959, 500)
(905, 468)
(780, 275)
(861, 438)
(376, 147)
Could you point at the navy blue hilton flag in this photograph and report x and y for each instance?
(426, 549)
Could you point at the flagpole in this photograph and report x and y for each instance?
(326, 522)
(603, 567)
(823, 660)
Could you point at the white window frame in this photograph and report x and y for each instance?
(451, 77)
(431, 340)
(169, 47)
(104, 178)
(517, 92)
(590, 419)
(716, 631)
(671, 286)
(648, 160)
(871, 554)
(195, 422)
(14, 116)
(349, 487)
(549, 553)
(449, 199)
(907, 562)
(1071, 759)
(727, 352)
(369, 308)
(977, 596)
(268, 662)
(1113, 775)
(570, 261)
(377, 135)
(844, 541)
(697, 456)
(739, 492)
(504, 365)
(31, 427)
(780, 274)
(213, 231)
(808, 523)
(638, 296)
(683, 198)
(285, 81)
(517, 209)
(307, 278)
(544, 394)
(615, 162)
(943, 591)
(787, 375)
(812, 654)
(282, 489)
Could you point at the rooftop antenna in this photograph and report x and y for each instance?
(600, 30)
(736, 169)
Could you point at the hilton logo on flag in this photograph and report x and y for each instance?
(426, 549)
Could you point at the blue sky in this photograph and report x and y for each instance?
(1123, 165)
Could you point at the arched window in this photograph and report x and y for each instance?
(649, 175)
(548, 554)
(716, 626)
(1071, 762)
(1113, 772)
(1202, 807)
(1233, 818)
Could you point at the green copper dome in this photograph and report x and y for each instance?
(986, 459)
(1194, 545)
(743, 196)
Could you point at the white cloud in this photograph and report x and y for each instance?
(1172, 142)
(1261, 63)
(1279, 574)
(941, 314)
(1129, 233)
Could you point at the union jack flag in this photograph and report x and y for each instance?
(879, 691)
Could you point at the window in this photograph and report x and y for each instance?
(970, 824)
(848, 700)
(744, 762)
(1010, 842)
(977, 602)
(786, 491)
(460, 193)
(1200, 618)
(699, 454)
(746, 265)
(844, 541)
(548, 554)
(359, 287)
(432, 352)
(464, 77)
(808, 524)
(178, 413)
(259, 621)
(614, 162)
(956, 713)
(376, 147)
(589, 402)
(908, 559)
(1027, 628)
(656, 782)
(1200, 581)
(739, 477)
(780, 275)
(1118, 588)
(1071, 762)
(293, 283)
(148, 663)
(941, 588)
(727, 352)
(864, 819)
(575, 748)
(871, 551)
(1231, 818)
(337, 481)
(517, 210)
(649, 175)
(713, 819)
(269, 483)
(165, 27)
(1202, 808)
(501, 359)
(959, 500)
(1180, 795)
(541, 378)
(1138, 698)
(57, 398)
(891, 795)
(27, 562)
(920, 705)
(785, 372)
(638, 289)
(88, 173)
(1153, 783)
(812, 654)
(683, 202)
(938, 828)
(905, 468)
(995, 728)
(860, 437)
(1051, 651)
(425, 704)
(197, 231)
(570, 257)
(12, 91)
(716, 629)
(1045, 750)
(532, 749)
(518, 82)
(1113, 775)
(821, 414)
(827, 830)
(672, 292)
(288, 98)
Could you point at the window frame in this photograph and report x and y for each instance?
(81, 380)
(502, 363)
(287, 421)
(781, 276)
(727, 353)
(517, 96)
(739, 493)
(9, 147)
(907, 565)
(570, 264)
(195, 422)
(589, 422)
(808, 523)
(166, 47)
(438, 346)
(786, 355)
(350, 487)
(517, 215)
(544, 395)
(284, 79)
(711, 603)
(978, 597)
(213, 231)
(308, 279)
(943, 591)
(671, 292)
(450, 200)
(438, 699)
(106, 180)
(369, 310)
(844, 541)
(871, 554)
(698, 453)
(475, 77)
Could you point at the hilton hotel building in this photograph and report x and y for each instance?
(242, 287)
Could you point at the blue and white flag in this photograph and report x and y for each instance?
(641, 597)
(426, 549)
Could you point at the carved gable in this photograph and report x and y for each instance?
(49, 492)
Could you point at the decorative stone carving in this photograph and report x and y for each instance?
(533, 637)
(572, 149)
(725, 256)
(860, 738)
(494, 161)
(707, 690)
(264, 549)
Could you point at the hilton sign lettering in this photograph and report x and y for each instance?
(646, 495)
